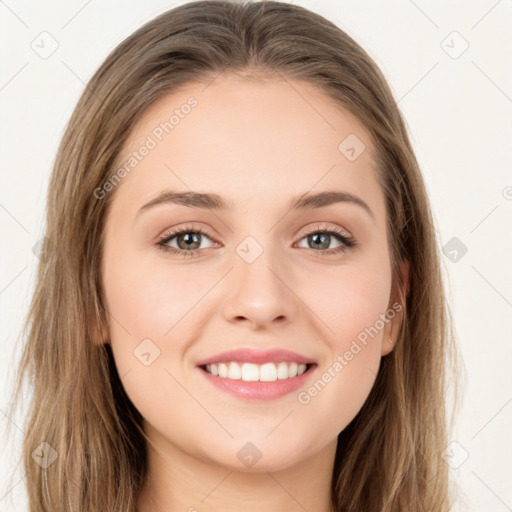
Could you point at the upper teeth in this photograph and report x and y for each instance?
(253, 372)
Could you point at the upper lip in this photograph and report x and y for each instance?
(247, 355)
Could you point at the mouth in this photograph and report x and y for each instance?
(253, 382)
(268, 374)
(251, 372)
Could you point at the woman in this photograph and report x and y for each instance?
(261, 365)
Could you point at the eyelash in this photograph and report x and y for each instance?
(348, 242)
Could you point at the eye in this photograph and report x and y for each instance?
(187, 241)
(322, 237)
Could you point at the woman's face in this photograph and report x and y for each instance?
(258, 274)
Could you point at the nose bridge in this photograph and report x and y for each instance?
(258, 288)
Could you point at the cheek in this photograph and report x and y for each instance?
(148, 300)
(348, 301)
(350, 306)
(149, 307)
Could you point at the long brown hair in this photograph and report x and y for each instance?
(389, 458)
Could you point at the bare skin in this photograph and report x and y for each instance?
(258, 144)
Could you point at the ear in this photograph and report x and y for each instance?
(396, 306)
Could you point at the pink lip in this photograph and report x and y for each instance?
(257, 390)
(245, 355)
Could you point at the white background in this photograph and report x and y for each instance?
(458, 111)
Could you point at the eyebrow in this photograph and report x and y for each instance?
(215, 202)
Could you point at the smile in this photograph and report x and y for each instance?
(247, 380)
(250, 372)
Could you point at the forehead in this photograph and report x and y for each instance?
(246, 139)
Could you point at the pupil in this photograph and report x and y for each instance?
(187, 237)
(324, 244)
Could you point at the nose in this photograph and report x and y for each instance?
(259, 293)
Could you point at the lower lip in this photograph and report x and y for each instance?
(258, 390)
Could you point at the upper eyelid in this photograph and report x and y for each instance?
(321, 226)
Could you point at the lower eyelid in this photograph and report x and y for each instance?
(347, 242)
